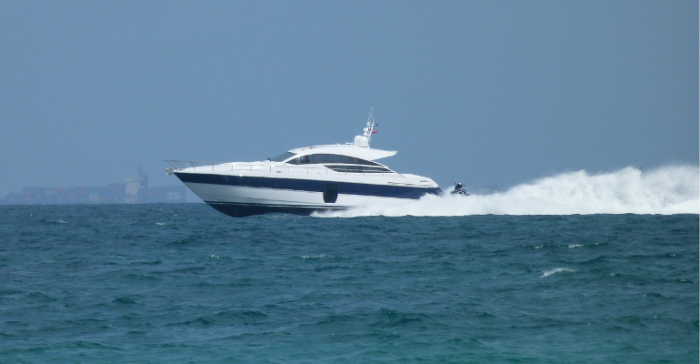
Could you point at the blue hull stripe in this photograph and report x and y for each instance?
(344, 188)
(243, 209)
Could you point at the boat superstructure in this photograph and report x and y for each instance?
(304, 180)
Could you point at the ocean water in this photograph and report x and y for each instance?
(186, 284)
(466, 281)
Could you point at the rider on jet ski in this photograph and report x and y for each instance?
(459, 190)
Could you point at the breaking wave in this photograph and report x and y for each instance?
(667, 190)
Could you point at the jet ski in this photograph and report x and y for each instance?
(459, 190)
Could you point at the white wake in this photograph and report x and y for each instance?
(667, 190)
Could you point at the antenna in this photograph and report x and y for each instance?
(369, 130)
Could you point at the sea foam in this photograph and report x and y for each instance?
(556, 270)
(666, 190)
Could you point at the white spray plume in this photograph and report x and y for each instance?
(667, 190)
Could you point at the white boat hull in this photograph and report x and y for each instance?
(251, 195)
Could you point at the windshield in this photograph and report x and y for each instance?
(330, 158)
(283, 157)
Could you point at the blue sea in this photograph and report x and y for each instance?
(183, 283)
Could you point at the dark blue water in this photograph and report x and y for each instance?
(186, 284)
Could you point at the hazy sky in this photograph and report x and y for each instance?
(480, 92)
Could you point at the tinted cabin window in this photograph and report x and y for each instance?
(358, 169)
(300, 160)
(330, 158)
(362, 161)
(283, 157)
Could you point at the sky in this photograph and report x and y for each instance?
(482, 92)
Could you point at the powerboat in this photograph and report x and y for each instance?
(304, 180)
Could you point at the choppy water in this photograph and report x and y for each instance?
(184, 283)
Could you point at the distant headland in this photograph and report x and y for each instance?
(133, 190)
